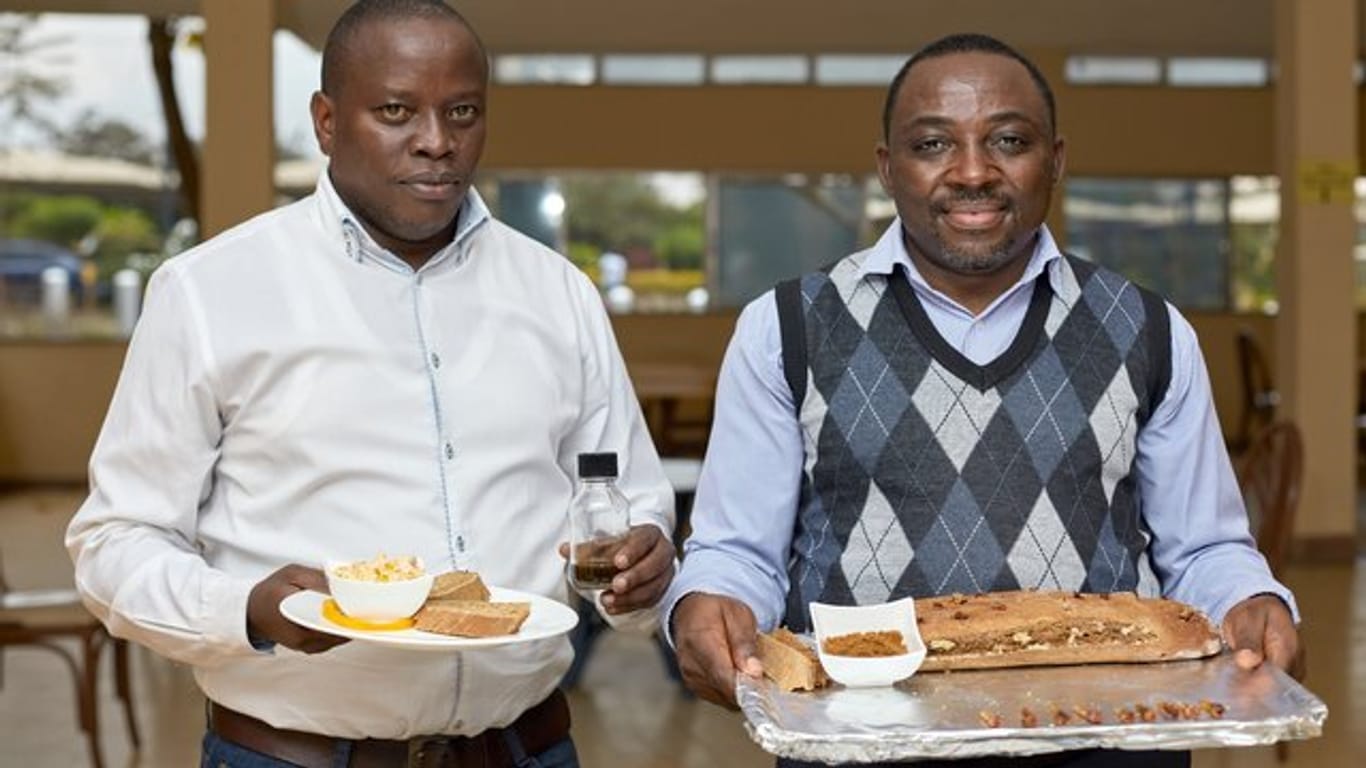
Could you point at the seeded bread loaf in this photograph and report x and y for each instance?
(472, 618)
(789, 662)
(1033, 628)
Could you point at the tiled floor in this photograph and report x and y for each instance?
(626, 711)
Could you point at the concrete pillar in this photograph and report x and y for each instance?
(1316, 352)
(239, 136)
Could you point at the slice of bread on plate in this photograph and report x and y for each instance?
(789, 662)
(472, 618)
(458, 585)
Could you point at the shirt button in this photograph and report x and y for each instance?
(460, 543)
(450, 451)
(436, 360)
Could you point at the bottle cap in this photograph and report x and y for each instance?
(597, 465)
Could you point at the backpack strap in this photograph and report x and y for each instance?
(792, 328)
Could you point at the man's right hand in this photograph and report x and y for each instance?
(714, 636)
(264, 621)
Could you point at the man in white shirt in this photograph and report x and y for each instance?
(381, 367)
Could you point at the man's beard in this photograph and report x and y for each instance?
(982, 260)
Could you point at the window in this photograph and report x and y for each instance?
(851, 69)
(1169, 235)
(562, 69)
(652, 69)
(1218, 72)
(772, 229)
(639, 236)
(733, 70)
(1114, 70)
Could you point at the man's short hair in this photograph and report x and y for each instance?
(966, 43)
(363, 12)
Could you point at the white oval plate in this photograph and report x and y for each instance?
(548, 618)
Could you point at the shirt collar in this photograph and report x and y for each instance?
(337, 216)
(890, 250)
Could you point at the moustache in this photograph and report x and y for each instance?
(971, 197)
(432, 178)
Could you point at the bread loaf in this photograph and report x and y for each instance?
(458, 585)
(789, 662)
(1032, 628)
(472, 618)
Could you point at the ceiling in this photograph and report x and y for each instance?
(1190, 27)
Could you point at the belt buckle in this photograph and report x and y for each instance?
(430, 752)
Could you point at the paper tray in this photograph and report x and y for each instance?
(939, 715)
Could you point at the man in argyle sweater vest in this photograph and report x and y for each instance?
(961, 407)
(927, 474)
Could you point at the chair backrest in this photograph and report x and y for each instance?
(1270, 476)
(1260, 397)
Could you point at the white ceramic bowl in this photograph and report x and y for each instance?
(378, 600)
(864, 672)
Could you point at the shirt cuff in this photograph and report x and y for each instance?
(718, 573)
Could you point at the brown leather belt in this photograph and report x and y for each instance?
(538, 729)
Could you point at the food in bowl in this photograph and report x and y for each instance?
(385, 589)
(866, 644)
(875, 624)
(381, 568)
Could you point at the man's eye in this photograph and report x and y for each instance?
(929, 146)
(1012, 143)
(393, 112)
(464, 111)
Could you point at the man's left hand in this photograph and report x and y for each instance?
(1259, 629)
(645, 565)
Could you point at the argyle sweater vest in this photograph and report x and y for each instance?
(926, 474)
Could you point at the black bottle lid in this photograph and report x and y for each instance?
(597, 465)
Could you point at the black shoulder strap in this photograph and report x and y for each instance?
(792, 327)
(1159, 348)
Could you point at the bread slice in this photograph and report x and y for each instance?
(1034, 628)
(472, 618)
(458, 585)
(789, 662)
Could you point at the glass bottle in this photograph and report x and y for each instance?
(599, 519)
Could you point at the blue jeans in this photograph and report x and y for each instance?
(218, 753)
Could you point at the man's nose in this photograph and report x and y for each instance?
(431, 137)
(973, 166)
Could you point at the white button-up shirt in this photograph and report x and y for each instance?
(294, 393)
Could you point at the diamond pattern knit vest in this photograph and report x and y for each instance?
(927, 474)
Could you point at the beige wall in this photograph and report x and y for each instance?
(53, 397)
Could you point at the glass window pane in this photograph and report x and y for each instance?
(639, 236)
(1222, 72)
(1092, 70)
(87, 187)
(852, 69)
(1254, 219)
(770, 230)
(652, 69)
(1169, 235)
(759, 69)
(564, 69)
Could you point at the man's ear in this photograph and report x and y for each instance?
(1059, 160)
(324, 121)
(884, 159)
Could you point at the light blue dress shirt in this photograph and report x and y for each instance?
(745, 510)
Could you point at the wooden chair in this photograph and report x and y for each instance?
(1260, 397)
(42, 618)
(1270, 475)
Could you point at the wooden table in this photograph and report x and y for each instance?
(661, 387)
